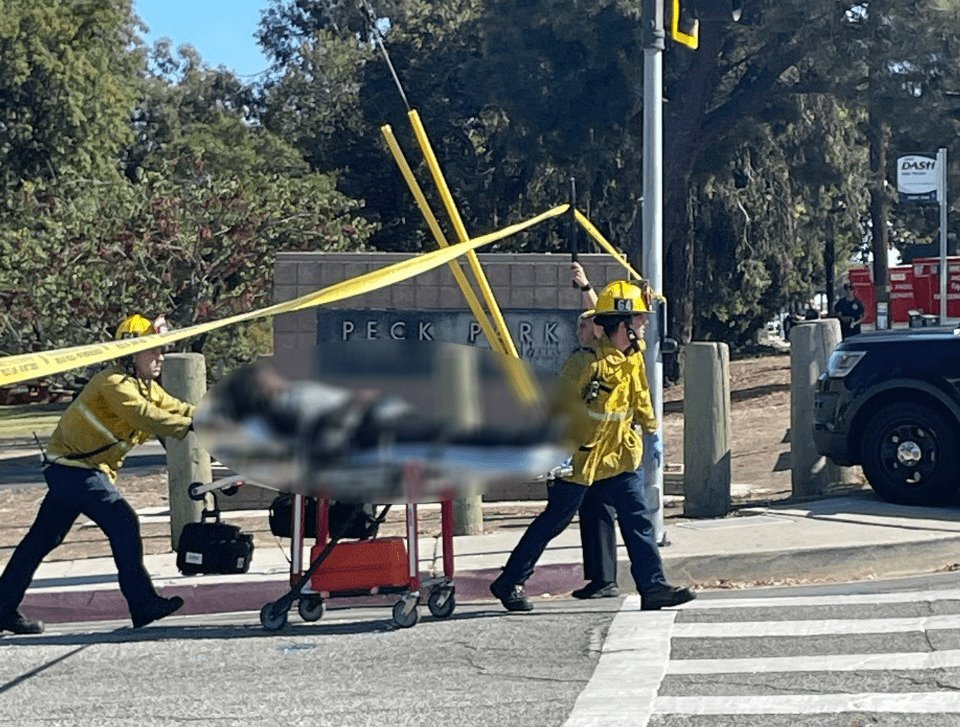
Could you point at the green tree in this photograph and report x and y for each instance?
(67, 83)
(767, 136)
(192, 229)
(194, 250)
(751, 73)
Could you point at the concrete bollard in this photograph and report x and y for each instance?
(706, 430)
(185, 377)
(811, 344)
(457, 372)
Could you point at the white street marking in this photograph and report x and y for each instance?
(834, 600)
(630, 669)
(748, 629)
(826, 663)
(910, 703)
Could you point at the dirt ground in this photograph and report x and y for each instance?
(760, 421)
(760, 414)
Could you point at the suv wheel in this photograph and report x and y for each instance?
(910, 454)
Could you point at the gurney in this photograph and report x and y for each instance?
(360, 446)
(338, 568)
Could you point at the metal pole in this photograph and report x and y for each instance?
(942, 197)
(653, 45)
(574, 226)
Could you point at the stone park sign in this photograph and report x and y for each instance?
(542, 337)
(539, 304)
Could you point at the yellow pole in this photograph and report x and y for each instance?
(475, 306)
(461, 230)
(516, 373)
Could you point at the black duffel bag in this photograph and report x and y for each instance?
(362, 525)
(213, 547)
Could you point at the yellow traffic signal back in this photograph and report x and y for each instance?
(685, 18)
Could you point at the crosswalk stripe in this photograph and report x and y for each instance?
(636, 658)
(833, 600)
(747, 629)
(826, 663)
(902, 703)
(628, 674)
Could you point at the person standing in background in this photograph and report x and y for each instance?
(850, 310)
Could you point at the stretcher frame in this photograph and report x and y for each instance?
(311, 604)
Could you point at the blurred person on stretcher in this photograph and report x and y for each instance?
(355, 444)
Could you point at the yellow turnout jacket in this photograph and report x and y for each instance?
(114, 413)
(604, 392)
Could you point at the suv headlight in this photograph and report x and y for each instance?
(842, 363)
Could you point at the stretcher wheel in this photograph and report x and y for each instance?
(444, 609)
(194, 491)
(402, 620)
(273, 617)
(231, 490)
(311, 608)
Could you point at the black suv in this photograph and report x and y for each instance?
(890, 401)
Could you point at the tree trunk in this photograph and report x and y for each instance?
(879, 133)
(685, 114)
(829, 261)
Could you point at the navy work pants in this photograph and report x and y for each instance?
(598, 536)
(625, 492)
(74, 491)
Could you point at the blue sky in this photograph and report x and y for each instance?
(221, 30)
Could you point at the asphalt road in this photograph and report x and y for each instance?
(480, 667)
(850, 655)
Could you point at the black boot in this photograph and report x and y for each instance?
(17, 623)
(665, 596)
(597, 589)
(510, 595)
(155, 610)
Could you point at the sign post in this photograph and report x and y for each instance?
(942, 198)
(923, 178)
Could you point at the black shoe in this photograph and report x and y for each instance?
(511, 596)
(156, 610)
(597, 589)
(665, 596)
(17, 623)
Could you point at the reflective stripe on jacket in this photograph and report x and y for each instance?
(114, 413)
(604, 393)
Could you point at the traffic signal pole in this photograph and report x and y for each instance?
(653, 46)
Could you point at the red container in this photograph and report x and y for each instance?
(862, 281)
(901, 293)
(361, 565)
(929, 269)
(953, 288)
(923, 286)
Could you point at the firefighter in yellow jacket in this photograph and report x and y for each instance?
(119, 408)
(605, 400)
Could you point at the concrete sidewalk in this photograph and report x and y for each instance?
(833, 539)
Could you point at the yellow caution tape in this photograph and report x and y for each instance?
(26, 366)
(23, 367)
(586, 224)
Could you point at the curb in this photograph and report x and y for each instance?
(825, 564)
(251, 595)
(887, 560)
